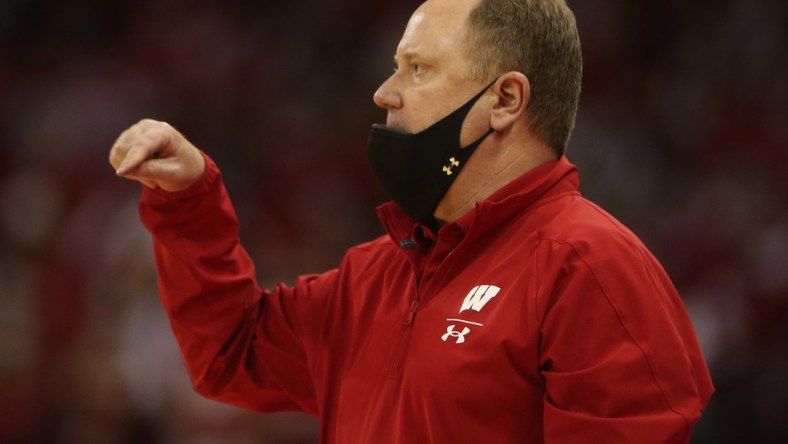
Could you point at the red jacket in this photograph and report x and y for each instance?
(536, 317)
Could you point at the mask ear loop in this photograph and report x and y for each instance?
(475, 99)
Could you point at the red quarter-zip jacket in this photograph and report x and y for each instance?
(534, 318)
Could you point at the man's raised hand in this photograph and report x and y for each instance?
(157, 155)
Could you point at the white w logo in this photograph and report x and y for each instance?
(478, 297)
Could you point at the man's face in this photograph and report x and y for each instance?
(432, 77)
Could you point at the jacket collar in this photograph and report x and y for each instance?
(550, 178)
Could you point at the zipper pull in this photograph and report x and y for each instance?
(412, 313)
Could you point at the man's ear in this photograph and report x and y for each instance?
(514, 92)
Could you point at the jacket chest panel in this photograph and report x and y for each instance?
(472, 344)
(478, 314)
(476, 322)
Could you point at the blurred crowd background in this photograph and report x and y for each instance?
(682, 134)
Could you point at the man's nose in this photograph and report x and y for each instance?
(387, 97)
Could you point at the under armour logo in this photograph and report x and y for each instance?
(452, 163)
(460, 335)
(478, 297)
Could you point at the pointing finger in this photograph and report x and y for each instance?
(135, 156)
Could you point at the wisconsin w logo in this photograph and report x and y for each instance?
(478, 297)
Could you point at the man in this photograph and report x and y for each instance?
(501, 307)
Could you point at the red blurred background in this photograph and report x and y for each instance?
(682, 134)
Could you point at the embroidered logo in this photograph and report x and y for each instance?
(459, 335)
(476, 299)
(452, 163)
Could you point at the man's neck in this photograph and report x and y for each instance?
(491, 168)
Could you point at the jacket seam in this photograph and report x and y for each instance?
(640, 347)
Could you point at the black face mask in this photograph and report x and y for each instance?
(416, 170)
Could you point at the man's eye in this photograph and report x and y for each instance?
(416, 69)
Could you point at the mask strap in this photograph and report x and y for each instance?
(469, 105)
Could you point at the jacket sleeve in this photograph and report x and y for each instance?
(618, 352)
(241, 345)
